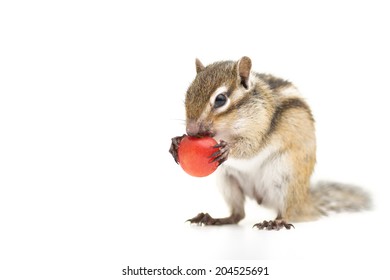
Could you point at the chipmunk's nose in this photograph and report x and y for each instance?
(192, 128)
(195, 128)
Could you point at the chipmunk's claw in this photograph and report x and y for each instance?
(174, 146)
(273, 225)
(222, 154)
(203, 219)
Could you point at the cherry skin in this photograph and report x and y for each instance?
(195, 155)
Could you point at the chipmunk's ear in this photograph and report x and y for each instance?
(244, 66)
(199, 66)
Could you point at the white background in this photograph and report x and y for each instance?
(92, 91)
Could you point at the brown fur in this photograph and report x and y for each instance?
(260, 115)
(295, 128)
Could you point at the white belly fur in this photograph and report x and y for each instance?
(264, 177)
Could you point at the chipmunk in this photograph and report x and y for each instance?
(267, 146)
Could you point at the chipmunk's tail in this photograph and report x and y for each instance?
(330, 197)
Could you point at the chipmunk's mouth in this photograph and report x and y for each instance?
(204, 134)
(199, 129)
(209, 134)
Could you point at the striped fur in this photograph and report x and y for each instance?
(271, 136)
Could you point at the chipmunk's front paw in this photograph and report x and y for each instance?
(222, 154)
(174, 146)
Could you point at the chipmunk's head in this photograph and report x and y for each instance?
(215, 96)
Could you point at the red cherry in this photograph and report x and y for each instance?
(194, 155)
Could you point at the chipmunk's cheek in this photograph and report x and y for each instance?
(229, 131)
(221, 133)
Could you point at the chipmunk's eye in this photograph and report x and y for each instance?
(220, 100)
